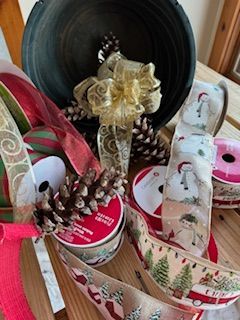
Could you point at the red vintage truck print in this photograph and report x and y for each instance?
(202, 297)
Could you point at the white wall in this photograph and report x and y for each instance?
(26, 7)
(203, 15)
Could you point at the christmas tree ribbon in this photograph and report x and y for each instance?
(117, 300)
(121, 93)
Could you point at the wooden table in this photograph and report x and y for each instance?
(225, 226)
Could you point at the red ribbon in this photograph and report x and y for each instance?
(42, 111)
(13, 301)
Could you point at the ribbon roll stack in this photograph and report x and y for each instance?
(97, 238)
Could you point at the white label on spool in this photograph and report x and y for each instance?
(148, 191)
(49, 171)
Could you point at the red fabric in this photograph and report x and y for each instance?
(212, 249)
(13, 302)
(41, 110)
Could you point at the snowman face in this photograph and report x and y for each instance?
(204, 98)
(186, 224)
(187, 167)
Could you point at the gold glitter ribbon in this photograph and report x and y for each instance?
(17, 163)
(121, 93)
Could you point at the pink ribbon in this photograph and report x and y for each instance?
(13, 301)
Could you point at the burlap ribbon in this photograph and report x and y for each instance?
(121, 93)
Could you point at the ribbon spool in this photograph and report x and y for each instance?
(30, 108)
(147, 192)
(226, 177)
(97, 238)
(53, 176)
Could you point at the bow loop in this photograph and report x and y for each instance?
(121, 93)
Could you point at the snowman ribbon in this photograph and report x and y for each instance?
(121, 93)
(186, 212)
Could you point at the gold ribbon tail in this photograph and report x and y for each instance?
(114, 146)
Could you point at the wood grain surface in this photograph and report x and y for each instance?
(12, 25)
(226, 37)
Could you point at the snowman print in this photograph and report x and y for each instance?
(183, 184)
(196, 144)
(197, 113)
(187, 236)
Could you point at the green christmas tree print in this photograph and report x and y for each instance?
(221, 284)
(136, 234)
(129, 224)
(89, 275)
(183, 281)
(160, 272)
(149, 258)
(105, 290)
(236, 286)
(135, 314)
(118, 296)
(227, 285)
(84, 257)
(156, 315)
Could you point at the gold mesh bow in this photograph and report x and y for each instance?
(121, 93)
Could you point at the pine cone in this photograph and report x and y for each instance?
(78, 196)
(75, 112)
(147, 145)
(109, 44)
